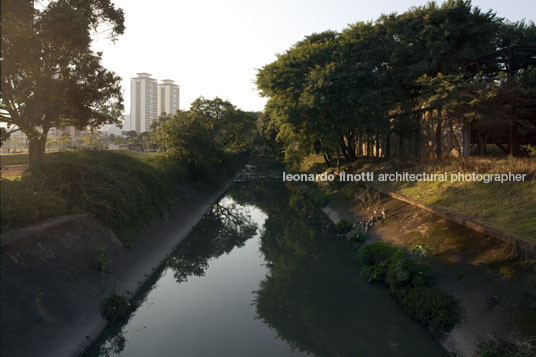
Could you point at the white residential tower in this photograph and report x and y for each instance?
(143, 99)
(167, 97)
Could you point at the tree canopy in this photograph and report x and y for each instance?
(50, 75)
(339, 91)
(202, 135)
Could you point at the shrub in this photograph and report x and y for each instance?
(430, 306)
(408, 282)
(114, 307)
(375, 273)
(356, 237)
(494, 346)
(372, 254)
(344, 226)
(404, 272)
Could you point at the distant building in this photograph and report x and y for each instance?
(143, 95)
(167, 97)
(126, 123)
(108, 129)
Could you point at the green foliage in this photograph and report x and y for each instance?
(120, 190)
(22, 203)
(50, 74)
(409, 284)
(373, 254)
(430, 306)
(344, 226)
(202, 136)
(530, 149)
(337, 91)
(404, 272)
(356, 236)
(494, 346)
(114, 307)
(317, 196)
(123, 191)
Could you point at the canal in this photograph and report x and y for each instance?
(263, 274)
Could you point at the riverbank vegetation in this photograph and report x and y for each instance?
(409, 283)
(508, 207)
(126, 190)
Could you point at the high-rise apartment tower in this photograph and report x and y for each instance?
(167, 97)
(143, 100)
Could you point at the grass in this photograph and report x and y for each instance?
(123, 190)
(509, 207)
(114, 307)
(13, 159)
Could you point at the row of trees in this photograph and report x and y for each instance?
(332, 92)
(50, 75)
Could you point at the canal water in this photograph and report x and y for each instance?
(263, 274)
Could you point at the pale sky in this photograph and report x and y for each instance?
(214, 47)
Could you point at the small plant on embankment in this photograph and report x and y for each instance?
(114, 307)
(103, 262)
(409, 283)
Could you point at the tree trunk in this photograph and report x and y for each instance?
(36, 148)
(378, 146)
(344, 149)
(438, 139)
(400, 146)
(388, 145)
(350, 148)
(326, 159)
(338, 160)
(512, 142)
(480, 147)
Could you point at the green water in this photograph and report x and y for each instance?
(264, 274)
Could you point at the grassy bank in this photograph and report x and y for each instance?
(124, 190)
(509, 207)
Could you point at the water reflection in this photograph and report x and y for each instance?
(313, 296)
(226, 226)
(264, 263)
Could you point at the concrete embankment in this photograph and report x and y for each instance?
(51, 289)
(471, 266)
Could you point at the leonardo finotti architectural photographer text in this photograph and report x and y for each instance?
(406, 176)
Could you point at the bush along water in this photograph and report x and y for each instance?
(409, 283)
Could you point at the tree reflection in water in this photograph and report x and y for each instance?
(225, 226)
(313, 295)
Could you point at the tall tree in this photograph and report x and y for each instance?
(50, 75)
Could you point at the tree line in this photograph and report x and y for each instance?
(340, 92)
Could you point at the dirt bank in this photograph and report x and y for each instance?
(497, 297)
(51, 288)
